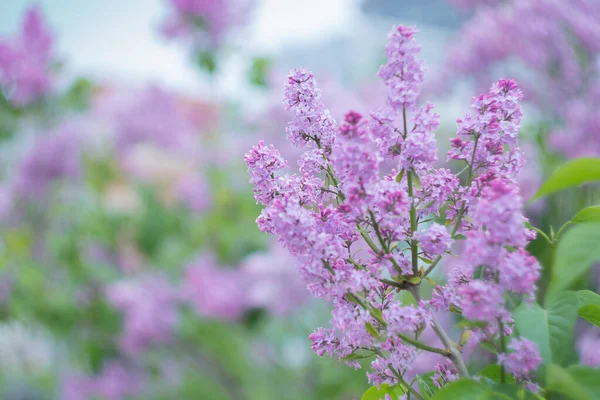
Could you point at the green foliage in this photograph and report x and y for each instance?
(576, 252)
(588, 214)
(468, 389)
(591, 312)
(206, 60)
(426, 386)
(573, 173)
(259, 71)
(551, 329)
(375, 393)
(576, 382)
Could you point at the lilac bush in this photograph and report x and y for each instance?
(361, 236)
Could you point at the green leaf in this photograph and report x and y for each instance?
(206, 61)
(585, 297)
(576, 252)
(374, 393)
(551, 329)
(591, 312)
(416, 181)
(573, 173)
(259, 71)
(426, 385)
(371, 329)
(492, 372)
(400, 176)
(576, 382)
(468, 389)
(588, 378)
(588, 214)
(358, 355)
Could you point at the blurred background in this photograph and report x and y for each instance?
(130, 263)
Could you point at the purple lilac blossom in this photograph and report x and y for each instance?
(523, 358)
(321, 213)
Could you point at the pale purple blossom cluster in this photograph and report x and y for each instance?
(205, 23)
(26, 61)
(361, 236)
(54, 156)
(522, 359)
(555, 45)
(149, 306)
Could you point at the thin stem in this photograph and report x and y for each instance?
(413, 226)
(423, 346)
(503, 348)
(550, 242)
(406, 384)
(413, 209)
(562, 228)
(368, 240)
(452, 351)
(384, 245)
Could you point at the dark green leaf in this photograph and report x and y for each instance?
(576, 383)
(551, 329)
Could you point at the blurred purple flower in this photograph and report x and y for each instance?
(272, 281)
(54, 156)
(555, 45)
(214, 291)
(25, 60)
(115, 382)
(149, 306)
(205, 23)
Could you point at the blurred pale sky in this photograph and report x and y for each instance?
(118, 39)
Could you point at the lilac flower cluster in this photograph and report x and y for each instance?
(26, 60)
(205, 22)
(361, 236)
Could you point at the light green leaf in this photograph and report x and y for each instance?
(588, 214)
(585, 297)
(551, 329)
(576, 382)
(591, 312)
(573, 173)
(576, 252)
(374, 393)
